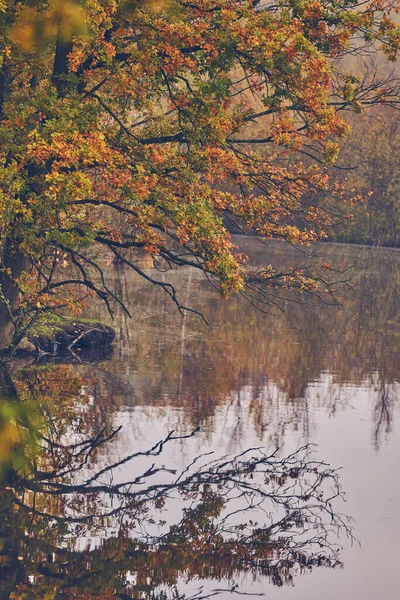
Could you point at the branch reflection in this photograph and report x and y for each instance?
(72, 528)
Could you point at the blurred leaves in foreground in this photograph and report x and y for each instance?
(20, 426)
(38, 25)
(34, 27)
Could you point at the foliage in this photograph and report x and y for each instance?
(133, 125)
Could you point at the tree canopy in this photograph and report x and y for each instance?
(153, 125)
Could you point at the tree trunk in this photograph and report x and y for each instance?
(16, 262)
(60, 68)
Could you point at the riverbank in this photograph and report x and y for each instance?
(56, 335)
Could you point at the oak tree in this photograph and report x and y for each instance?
(152, 125)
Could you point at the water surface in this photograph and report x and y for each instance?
(308, 375)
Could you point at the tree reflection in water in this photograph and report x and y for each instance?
(71, 528)
(164, 361)
(256, 513)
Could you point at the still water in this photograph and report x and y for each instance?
(311, 375)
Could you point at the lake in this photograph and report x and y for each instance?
(308, 375)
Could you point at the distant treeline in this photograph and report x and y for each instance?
(371, 164)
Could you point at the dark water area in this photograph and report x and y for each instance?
(312, 376)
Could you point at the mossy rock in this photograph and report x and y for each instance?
(56, 335)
